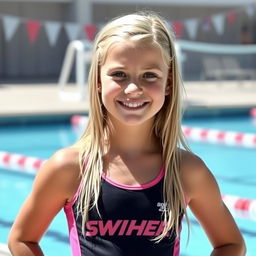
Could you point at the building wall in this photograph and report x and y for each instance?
(21, 59)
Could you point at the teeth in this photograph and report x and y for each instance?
(132, 105)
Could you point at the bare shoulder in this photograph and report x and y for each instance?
(195, 175)
(191, 164)
(62, 169)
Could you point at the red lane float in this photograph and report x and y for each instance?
(253, 112)
(229, 138)
(79, 120)
(241, 207)
(20, 162)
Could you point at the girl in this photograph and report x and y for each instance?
(126, 183)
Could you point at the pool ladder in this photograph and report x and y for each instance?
(80, 51)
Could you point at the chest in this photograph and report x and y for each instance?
(130, 202)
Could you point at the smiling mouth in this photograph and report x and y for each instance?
(133, 105)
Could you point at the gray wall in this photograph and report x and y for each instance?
(21, 59)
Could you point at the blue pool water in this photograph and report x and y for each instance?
(233, 167)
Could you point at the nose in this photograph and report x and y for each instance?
(133, 89)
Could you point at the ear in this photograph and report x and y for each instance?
(167, 90)
(99, 87)
(168, 87)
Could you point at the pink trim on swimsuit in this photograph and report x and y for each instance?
(73, 234)
(135, 187)
(176, 251)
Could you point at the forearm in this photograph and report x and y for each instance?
(25, 249)
(230, 249)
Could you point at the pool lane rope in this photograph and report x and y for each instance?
(212, 136)
(241, 207)
(13, 161)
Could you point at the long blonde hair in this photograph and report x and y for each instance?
(167, 125)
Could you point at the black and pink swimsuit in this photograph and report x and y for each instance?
(131, 216)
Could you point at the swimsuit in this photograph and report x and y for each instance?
(130, 217)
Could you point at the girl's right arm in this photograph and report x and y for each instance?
(54, 185)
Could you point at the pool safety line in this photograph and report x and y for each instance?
(13, 161)
(77, 120)
(241, 207)
(253, 112)
(246, 208)
(212, 136)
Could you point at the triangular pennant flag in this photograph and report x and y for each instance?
(191, 27)
(218, 22)
(250, 11)
(90, 31)
(72, 30)
(206, 24)
(10, 25)
(33, 28)
(231, 17)
(178, 27)
(52, 31)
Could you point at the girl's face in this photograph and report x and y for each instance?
(133, 82)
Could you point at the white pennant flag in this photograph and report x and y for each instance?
(10, 26)
(250, 11)
(191, 27)
(218, 22)
(72, 30)
(52, 30)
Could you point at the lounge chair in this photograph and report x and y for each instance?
(233, 69)
(225, 68)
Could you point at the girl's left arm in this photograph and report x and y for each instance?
(204, 200)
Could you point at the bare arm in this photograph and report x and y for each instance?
(51, 190)
(206, 203)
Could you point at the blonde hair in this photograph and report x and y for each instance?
(149, 28)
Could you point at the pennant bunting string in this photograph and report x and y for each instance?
(73, 30)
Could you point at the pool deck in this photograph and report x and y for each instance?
(44, 99)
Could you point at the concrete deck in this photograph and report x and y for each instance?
(17, 100)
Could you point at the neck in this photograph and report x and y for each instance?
(133, 140)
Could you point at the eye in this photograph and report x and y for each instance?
(118, 75)
(150, 76)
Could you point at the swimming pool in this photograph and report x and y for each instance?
(233, 167)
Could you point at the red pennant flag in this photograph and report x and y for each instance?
(90, 31)
(178, 28)
(33, 28)
(231, 17)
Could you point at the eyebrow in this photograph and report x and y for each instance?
(153, 66)
(147, 67)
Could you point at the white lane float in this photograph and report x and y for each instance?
(213, 136)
